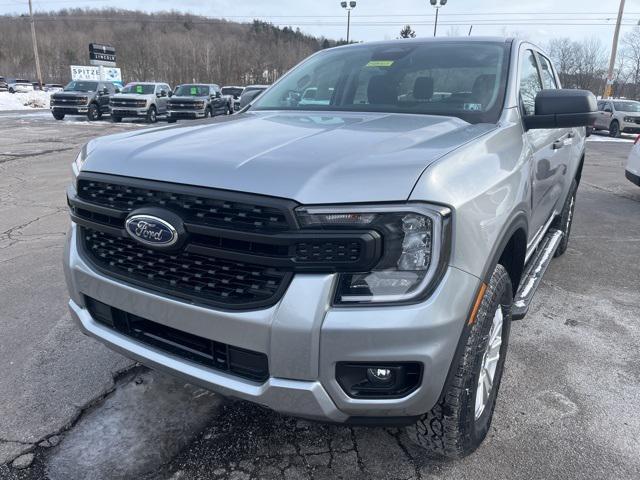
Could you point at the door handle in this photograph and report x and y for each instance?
(558, 144)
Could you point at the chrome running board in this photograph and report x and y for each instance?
(533, 273)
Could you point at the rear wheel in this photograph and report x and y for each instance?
(152, 115)
(565, 219)
(58, 115)
(614, 129)
(459, 422)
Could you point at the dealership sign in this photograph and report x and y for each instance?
(104, 55)
(110, 74)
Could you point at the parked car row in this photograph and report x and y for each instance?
(150, 100)
(617, 116)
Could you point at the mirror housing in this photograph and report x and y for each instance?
(104, 91)
(563, 109)
(163, 93)
(117, 90)
(218, 95)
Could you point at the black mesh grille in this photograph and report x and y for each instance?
(195, 277)
(333, 251)
(127, 102)
(237, 361)
(192, 208)
(186, 105)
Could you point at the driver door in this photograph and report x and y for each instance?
(550, 148)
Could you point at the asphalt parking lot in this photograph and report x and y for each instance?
(72, 409)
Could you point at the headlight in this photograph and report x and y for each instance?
(78, 163)
(416, 241)
(142, 103)
(630, 119)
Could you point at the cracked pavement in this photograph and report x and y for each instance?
(565, 410)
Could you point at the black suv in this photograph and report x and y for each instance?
(83, 97)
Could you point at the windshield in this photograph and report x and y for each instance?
(78, 86)
(460, 79)
(139, 89)
(235, 91)
(627, 106)
(192, 91)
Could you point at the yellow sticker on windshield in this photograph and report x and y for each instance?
(380, 63)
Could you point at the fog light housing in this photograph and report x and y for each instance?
(384, 380)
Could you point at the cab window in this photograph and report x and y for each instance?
(529, 82)
(548, 78)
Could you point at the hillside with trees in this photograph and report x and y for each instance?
(168, 46)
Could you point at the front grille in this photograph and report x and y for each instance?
(227, 358)
(186, 106)
(66, 101)
(236, 251)
(127, 102)
(195, 277)
(213, 211)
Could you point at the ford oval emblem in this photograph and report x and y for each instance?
(151, 231)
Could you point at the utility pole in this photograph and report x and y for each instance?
(35, 45)
(614, 50)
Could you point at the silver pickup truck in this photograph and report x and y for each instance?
(358, 259)
(144, 100)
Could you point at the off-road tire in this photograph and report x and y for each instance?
(450, 429)
(116, 118)
(93, 113)
(152, 115)
(614, 129)
(565, 219)
(208, 112)
(58, 116)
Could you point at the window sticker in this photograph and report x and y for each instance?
(380, 63)
(193, 90)
(138, 88)
(473, 107)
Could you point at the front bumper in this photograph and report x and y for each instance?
(128, 112)
(303, 337)
(630, 127)
(632, 177)
(79, 110)
(187, 114)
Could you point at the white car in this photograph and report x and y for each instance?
(20, 86)
(633, 164)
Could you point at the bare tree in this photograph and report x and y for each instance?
(407, 32)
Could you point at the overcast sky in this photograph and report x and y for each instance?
(537, 20)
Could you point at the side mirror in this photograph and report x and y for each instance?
(105, 91)
(170, 94)
(163, 93)
(563, 109)
(218, 95)
(117, 90)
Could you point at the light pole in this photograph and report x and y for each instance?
(348, 6)
(437, 4)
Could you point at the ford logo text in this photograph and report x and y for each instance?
(152, 231)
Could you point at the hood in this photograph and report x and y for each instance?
(312, 158)
(63, 94)
(132, 96)
(188, 98)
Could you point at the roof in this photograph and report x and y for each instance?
(424, 40)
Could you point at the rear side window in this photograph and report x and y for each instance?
(529, 82)
(548, 78)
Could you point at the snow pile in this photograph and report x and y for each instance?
(24, 101)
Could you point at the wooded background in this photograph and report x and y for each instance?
(171, 47)
(177, 47)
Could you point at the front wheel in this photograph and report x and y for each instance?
(58, 116)
(459, 422)
(93, 113)
(207, 113)
(614, 129)
(152, 115)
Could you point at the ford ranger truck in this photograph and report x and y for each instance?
(83, 97)
(357, 260)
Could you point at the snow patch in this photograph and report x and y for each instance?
(24, 101)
